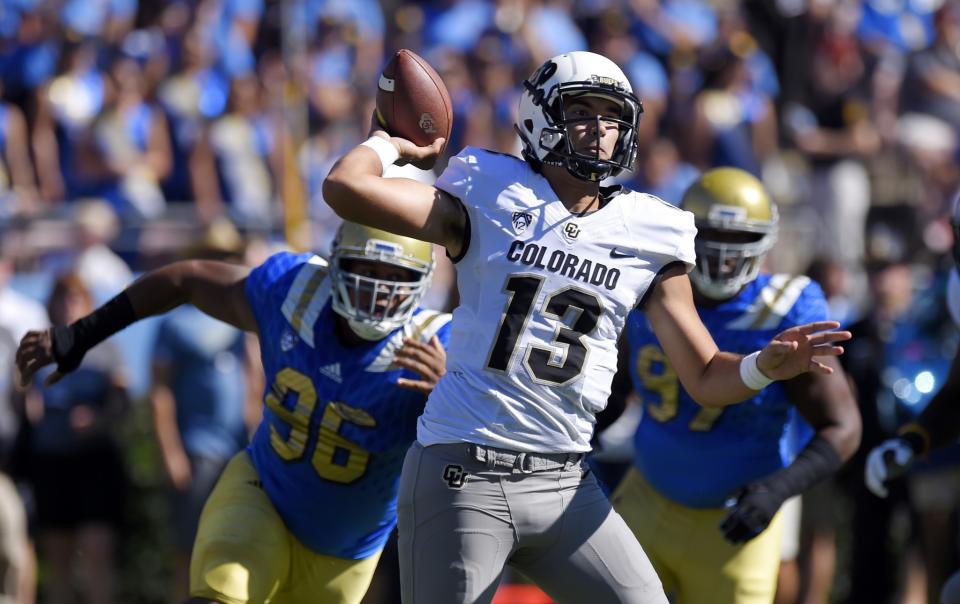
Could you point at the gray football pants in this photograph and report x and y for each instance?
(462, 519)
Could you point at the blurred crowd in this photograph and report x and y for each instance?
(130, 130)
(190, 110)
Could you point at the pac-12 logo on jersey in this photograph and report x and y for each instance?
(288, 340)
(522, 220)
(454, 476)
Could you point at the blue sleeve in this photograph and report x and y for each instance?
(267, 284)
(810, 306)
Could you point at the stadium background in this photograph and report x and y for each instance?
(149, 126)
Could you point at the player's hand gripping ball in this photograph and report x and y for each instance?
(412, 101)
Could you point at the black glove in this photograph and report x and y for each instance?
(756, 504)
(67, 352)
(750, 512)
(69, 343)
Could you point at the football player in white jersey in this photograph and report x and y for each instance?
(549, 264)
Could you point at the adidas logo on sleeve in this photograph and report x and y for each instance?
(332, 371)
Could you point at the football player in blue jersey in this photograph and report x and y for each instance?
(706, 484)
(303, 513)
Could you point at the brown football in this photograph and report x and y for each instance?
(412, 100)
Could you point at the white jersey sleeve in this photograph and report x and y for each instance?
(544, 295)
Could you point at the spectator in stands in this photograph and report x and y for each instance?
(906, 332)
(18, 576)
(194, 94)
(887, 27)
(77, 468)
(611, 37)
(66, 108)
(28, 52)
(833, 126)
(734, 123)
(549, 29)
(361, 26)
(15, 552)
(236, 161)
(134, 143)
(932, 81)
(673, 25)
(109, 20)
(100, 268)
(200, 399)
(664, 173)
(18, 191)
(232, 26)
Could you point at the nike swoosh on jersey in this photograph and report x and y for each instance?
(615, 253)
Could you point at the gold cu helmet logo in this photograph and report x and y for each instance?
(426, 123)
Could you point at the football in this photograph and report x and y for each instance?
(412, 100)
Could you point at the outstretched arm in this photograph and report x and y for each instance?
(714, 378)
(356, 190)
(216, 288)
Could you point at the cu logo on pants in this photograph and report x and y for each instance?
(454, 476)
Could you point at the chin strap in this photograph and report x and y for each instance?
(370, 333)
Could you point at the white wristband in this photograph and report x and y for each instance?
(385, 150)
(751, 375)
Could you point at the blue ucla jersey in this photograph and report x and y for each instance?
(698, 456)
(335, 425)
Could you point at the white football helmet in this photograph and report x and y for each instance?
(543, 127)
(736, 226)
(355, 296)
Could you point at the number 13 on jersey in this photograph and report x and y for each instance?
(522, 291)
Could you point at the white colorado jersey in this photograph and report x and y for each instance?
(544, 295)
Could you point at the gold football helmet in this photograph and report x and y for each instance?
(375, 306)
(736, 226)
